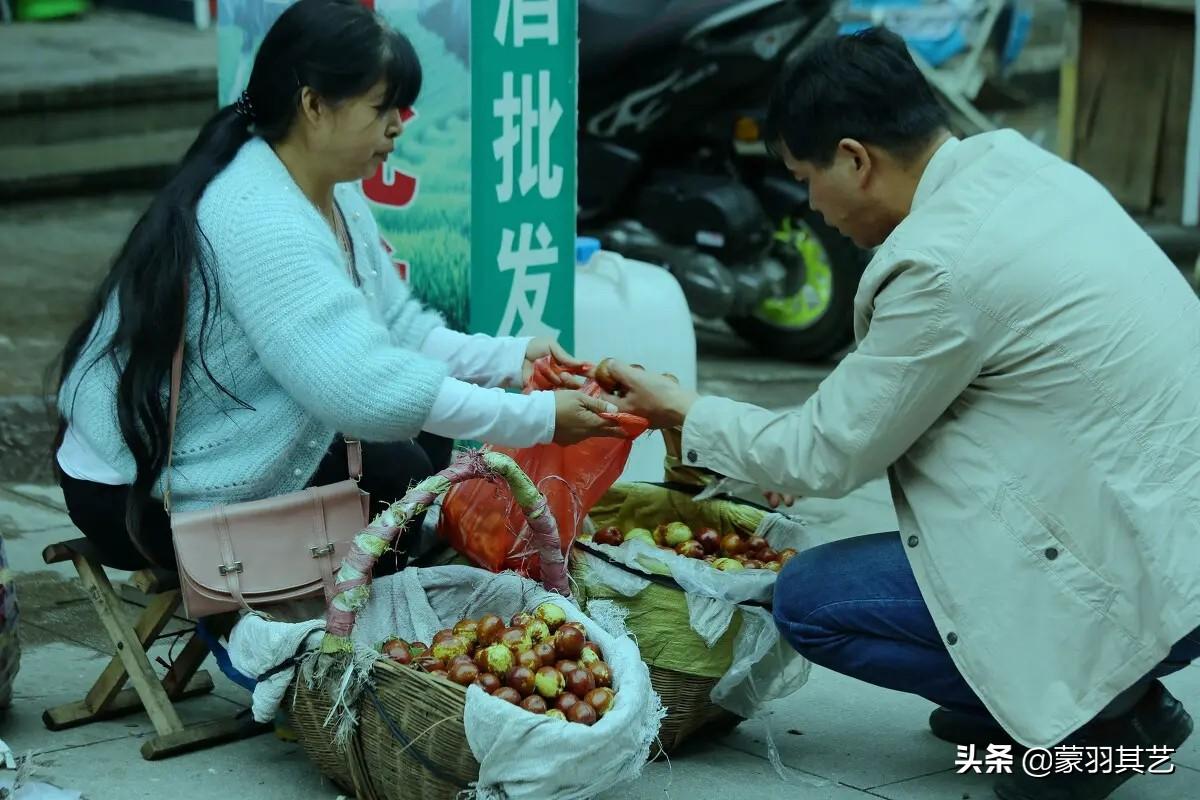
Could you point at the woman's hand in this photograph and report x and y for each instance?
(657, 398)
(545, 346)
(576, 417)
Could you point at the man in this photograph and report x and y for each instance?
(1027, 372)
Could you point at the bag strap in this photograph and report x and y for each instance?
(354, 459)
(231, 568)
(173, 407)
(322, 549)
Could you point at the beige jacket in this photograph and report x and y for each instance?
(1028, 373)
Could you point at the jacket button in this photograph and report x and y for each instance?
(692, 457)
(1051, 553)
(951, 638)
(912, 541)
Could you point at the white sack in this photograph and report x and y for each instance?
(764, 667)
(523, 755)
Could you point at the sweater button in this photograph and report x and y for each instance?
(692, 457)
(312, 442)
(1051, 553)
(912, 541)
(951, 638)
(297, 472)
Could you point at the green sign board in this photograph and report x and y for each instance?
(477, 204)
(523, 150)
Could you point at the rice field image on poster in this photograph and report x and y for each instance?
(422, 195)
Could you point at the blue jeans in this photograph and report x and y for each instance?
(853, 606)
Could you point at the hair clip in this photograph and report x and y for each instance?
(243, 106)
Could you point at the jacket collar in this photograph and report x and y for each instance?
(937, 171)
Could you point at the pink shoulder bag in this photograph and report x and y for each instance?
(267, 551)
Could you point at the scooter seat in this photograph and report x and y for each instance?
(611, 32)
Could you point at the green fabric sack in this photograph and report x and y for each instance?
(657, 618)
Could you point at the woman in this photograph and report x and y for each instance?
(265, 257)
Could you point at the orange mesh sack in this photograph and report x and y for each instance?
(481, 522)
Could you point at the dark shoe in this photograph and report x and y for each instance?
(962, 727)
(1158, 719)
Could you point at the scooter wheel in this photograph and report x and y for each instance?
(816, 322)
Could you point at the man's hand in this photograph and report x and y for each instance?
(546, 346)
(657, 398)
(775, 499)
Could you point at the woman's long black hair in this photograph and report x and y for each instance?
(340, 49)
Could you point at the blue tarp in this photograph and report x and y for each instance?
(938, 30)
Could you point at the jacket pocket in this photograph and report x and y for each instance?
(1044, 539)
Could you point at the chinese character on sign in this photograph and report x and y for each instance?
(389, 186)
(518, 260)
(511, 109)
(999, 758)
(525, 103)
(966, 761)
(532, 19)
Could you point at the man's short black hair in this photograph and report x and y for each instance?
(862, 86)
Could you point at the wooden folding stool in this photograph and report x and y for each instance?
(107, 698)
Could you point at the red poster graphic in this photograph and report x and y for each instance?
(389, 186)
(401, 266)
(395, 189)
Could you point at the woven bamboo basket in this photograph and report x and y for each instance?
(689, 709)
(409, 742)
(686, 695)
(410, 732)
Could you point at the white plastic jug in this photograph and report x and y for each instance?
(634, 312)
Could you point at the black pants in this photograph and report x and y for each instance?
(98, 510)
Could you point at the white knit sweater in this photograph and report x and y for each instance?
(293, 337)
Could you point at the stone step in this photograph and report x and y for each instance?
(108, 162)
(111, 100)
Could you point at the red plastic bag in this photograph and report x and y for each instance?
(482, 522)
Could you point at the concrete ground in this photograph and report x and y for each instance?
(839, 739)
(53, 254)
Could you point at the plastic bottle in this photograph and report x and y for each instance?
(634, 312)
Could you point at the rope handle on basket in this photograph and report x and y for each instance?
(353, 580)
